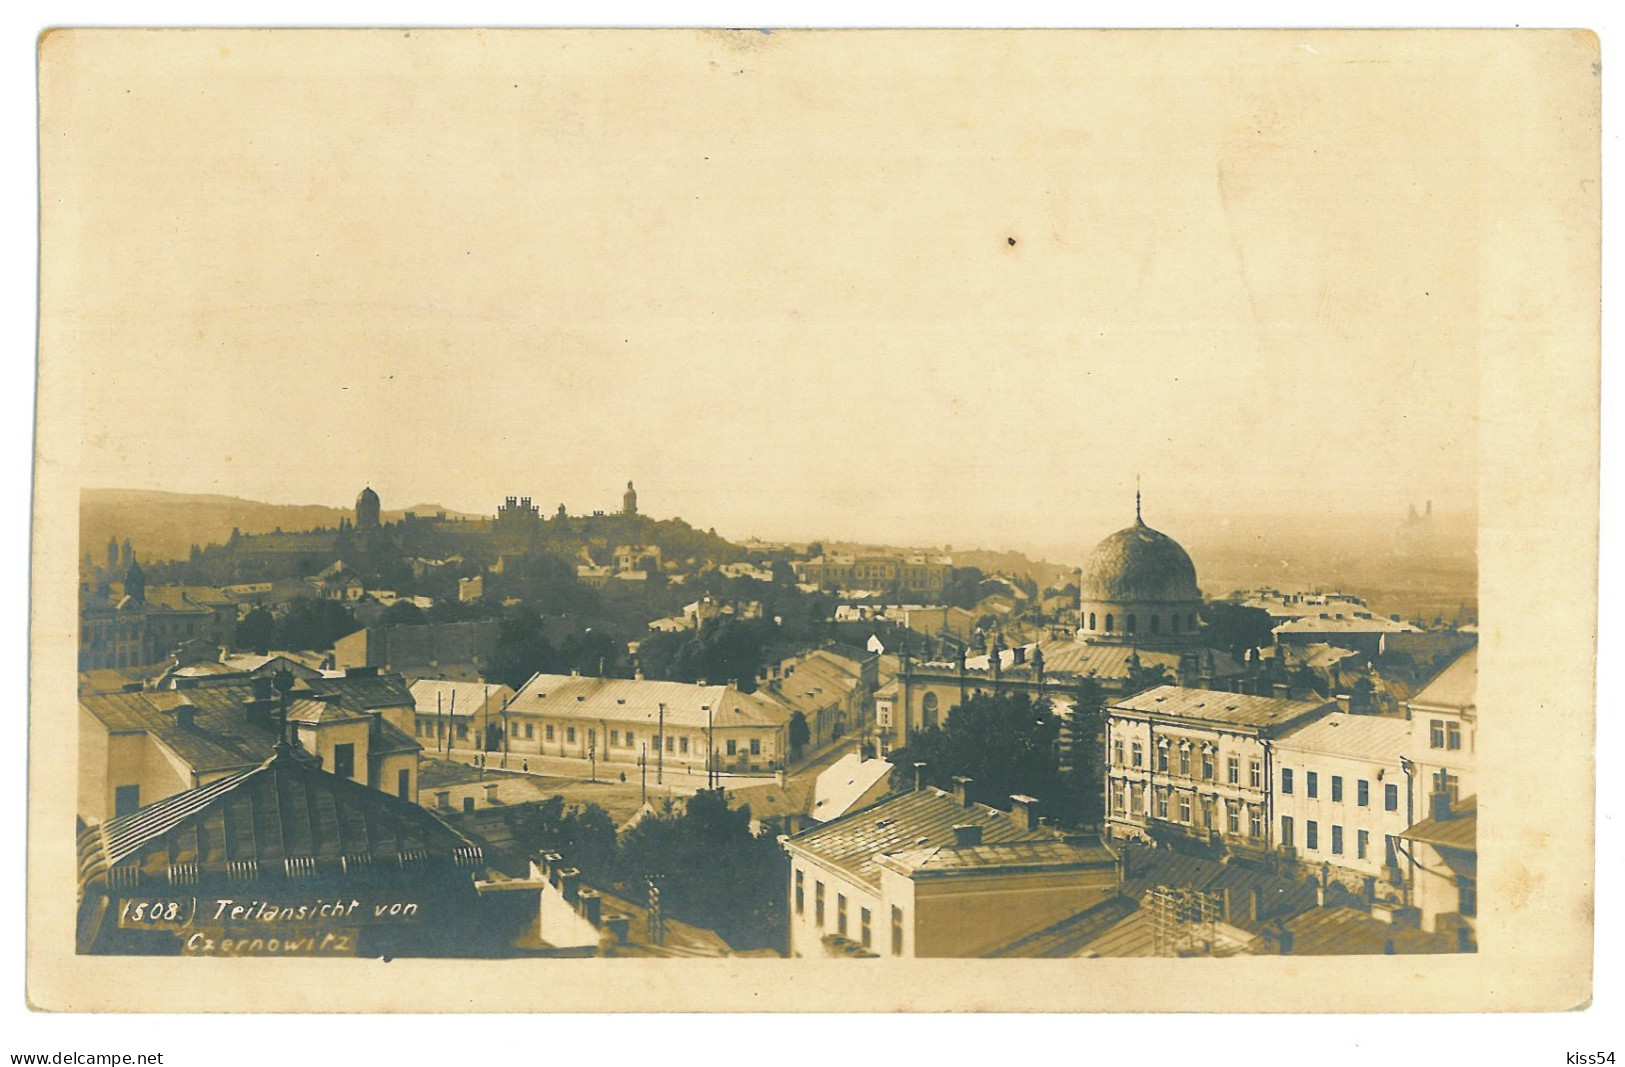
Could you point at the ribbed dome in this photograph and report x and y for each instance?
(367, 497)
(1139, 564)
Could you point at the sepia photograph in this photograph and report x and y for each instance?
(954, 520)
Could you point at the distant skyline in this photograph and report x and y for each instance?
(907, 292)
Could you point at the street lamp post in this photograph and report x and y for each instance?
(643, 767)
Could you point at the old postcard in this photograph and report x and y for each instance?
(843, 521)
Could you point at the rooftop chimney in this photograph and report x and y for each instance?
(183, 715)
(261, 686)
(570, 884)
(919, 776)
(592, 905)
(962, 790)
(1281, 690)
(966, 834)
(1024, 811)
(1439, 807)
(555, 863)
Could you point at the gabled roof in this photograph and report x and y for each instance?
(1217, 707)
(639, 700)
(1112, 662)
(924, 818)
(844, 782)
(1455, 687)
(466, 698)
(285, 808)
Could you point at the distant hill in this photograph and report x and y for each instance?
(164, 526)
(987, 561)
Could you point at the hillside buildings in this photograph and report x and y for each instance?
(916, 575)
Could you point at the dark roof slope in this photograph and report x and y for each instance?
(251, 823)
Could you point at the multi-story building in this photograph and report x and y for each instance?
(145, 624)
(1198, 764)
(1342, 797)
(934, 874)
(136, 748)
(1442, 848)
(681, 726)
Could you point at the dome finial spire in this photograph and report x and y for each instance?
(1137, 499)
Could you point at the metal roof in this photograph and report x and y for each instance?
(639, 700)
(1007, 855)
(1364, 737)
(1217, 707)
(285, 808)
(1455, 687)
(1460, 831)
(924, 818)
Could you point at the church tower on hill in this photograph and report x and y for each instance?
(629, 500)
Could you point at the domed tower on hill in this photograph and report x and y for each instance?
(1139, 588)
(367, 510)
(629, 500)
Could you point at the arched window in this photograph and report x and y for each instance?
(1156, 623)
(1108, 622)
(1131, 622)
(928, 711)
(1091, 620)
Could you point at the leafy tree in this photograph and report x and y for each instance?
(314, 624)
(1007, 743)
(1236, 628)
(586, 834)
(402, 613)
(522, 649)
(800, 734)
(714, 872)
(256, 630)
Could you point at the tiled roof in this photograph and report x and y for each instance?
(1217, 706)
(284, 808)
(631, 700)
(467, 698)
(312, 712)
(922, 819)
(1460, 831)
(1455, 687)
(1366, 737)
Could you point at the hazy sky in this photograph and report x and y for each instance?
(772, 278)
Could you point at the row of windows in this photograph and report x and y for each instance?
(1311, 840)
(1131, 622)
(1362, 789)
(1131, 797)
(1166, 761)
(865, 919)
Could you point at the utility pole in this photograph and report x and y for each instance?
(504, 733)
(660, 749)
(710, 749)
(643, 766)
